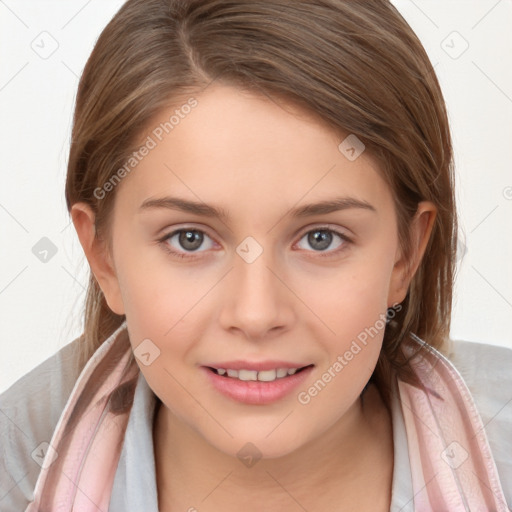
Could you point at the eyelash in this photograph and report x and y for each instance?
(322, 254)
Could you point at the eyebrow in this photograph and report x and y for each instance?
(203, 209)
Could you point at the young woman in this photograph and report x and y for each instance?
(264, 193)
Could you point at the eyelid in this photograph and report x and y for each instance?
(324, 226)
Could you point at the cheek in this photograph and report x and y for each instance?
(168, 306)
(163, 309)
(351, 299)
(155, 292)
(354, 309)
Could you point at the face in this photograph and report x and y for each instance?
(268, 280)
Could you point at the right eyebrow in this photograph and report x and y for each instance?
(185, 205)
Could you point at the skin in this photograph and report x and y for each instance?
(257, 160)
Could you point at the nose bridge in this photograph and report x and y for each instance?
(258, 300)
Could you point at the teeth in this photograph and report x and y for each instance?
(267, 375)
(247, 374)
(263, 376)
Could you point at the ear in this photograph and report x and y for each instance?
(97, 255)
(404, 270)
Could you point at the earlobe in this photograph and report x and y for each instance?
(97, 255)
(405, 268)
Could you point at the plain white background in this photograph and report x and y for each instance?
(43, 48)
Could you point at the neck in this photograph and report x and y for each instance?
(335, 466)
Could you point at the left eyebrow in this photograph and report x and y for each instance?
(332, 205)
(203, 209)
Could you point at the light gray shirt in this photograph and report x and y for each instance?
(31, 407)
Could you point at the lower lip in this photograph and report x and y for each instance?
(256, 392)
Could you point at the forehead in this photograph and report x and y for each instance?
(246, 151)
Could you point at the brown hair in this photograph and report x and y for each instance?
(356, 65)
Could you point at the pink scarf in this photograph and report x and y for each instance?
(451, 462)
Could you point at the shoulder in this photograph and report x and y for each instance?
(487, 371)
(469, 356)
(29, 412)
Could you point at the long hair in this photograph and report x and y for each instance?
(356, 65)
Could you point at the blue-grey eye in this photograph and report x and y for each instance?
(189, 240)
(321, 239)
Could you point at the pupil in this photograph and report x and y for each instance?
(323, 237)
(191, 240)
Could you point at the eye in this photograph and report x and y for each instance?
(183, 243)
(321, 238)
(185, 240)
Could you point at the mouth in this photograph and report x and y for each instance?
(253, 387)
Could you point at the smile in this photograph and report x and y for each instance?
(257, 387)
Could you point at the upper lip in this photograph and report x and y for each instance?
(256, 365)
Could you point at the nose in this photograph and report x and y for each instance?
(256, 300)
